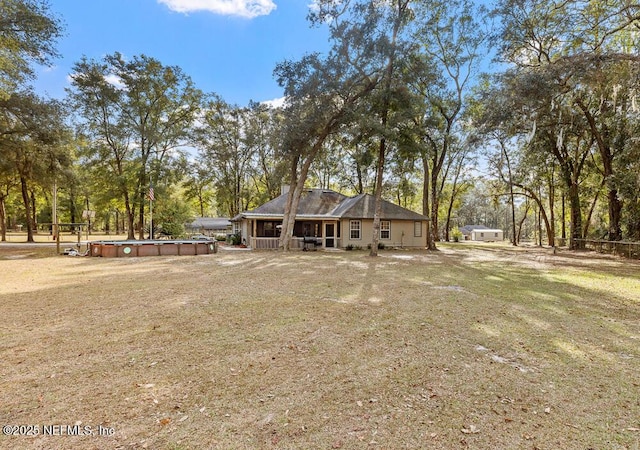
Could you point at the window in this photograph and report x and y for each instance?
(496, 234)
(417, 229)
(385, 229)
(268, 229)
(354, 229)
(481, 234)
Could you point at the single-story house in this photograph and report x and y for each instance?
(481, 233)
(210, 226)
(335, 220)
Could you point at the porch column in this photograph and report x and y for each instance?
(254, 232)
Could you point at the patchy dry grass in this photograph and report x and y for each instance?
(473, 346)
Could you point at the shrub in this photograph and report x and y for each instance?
(456, 234)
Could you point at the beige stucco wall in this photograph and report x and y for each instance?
(401, 234)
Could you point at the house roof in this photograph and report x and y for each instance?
(324, 203)
(313, 202)
(211, 223)
(363, 207)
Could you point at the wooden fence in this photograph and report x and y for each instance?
(623, 248)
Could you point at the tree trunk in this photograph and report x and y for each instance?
(539, 224)
(285, 237)
(291, 212)
(615, 214)
(27, 208)
(575, 228)
(551, 234)
(360, 187)
(130, 217)
(425, 200)
(201, 203)
(141, 215)
(447, 225)
(521, 223)
(34, 215)
(435, 204)
(454, 193)
(602, 138)
(514, 241)
(543, 214)
(564, 218)
(3, 219)
(587, 221)
(375, 238)
(289, 219)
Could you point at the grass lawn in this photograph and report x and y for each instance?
(474, 346)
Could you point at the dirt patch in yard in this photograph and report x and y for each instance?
(472, 346)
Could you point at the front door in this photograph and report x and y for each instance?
(329, 235)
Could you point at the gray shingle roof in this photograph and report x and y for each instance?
(211, 223)
(363, 207)
(313, 202)
(321, 202)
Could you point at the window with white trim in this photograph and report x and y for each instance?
(385, 229)
(355, 227)
(417, 229)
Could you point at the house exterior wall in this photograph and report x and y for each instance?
(401, 234)
(245, 229)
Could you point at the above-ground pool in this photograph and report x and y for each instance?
(111, 249)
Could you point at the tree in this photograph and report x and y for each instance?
(585, 52)
(198, 186)
(137, 115)
(28, 31)
(457, 163)
(453, 37)
(32, 138)
(171, 216)
(325, 93)
(263, 126)
(8, 182)
(225, 151)
(396, 18)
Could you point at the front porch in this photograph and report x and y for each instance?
(265, 234)
(269, 243)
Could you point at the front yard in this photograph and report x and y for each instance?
(478, 346)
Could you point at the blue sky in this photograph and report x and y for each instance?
(229, 47)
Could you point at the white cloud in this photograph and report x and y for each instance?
(276, 103)
(112, 79)
(243, 8)
(115, 81)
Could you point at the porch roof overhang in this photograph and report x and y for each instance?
(280, 217)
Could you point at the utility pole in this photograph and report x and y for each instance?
(54, 216)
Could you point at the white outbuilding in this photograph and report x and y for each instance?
(482, 233)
